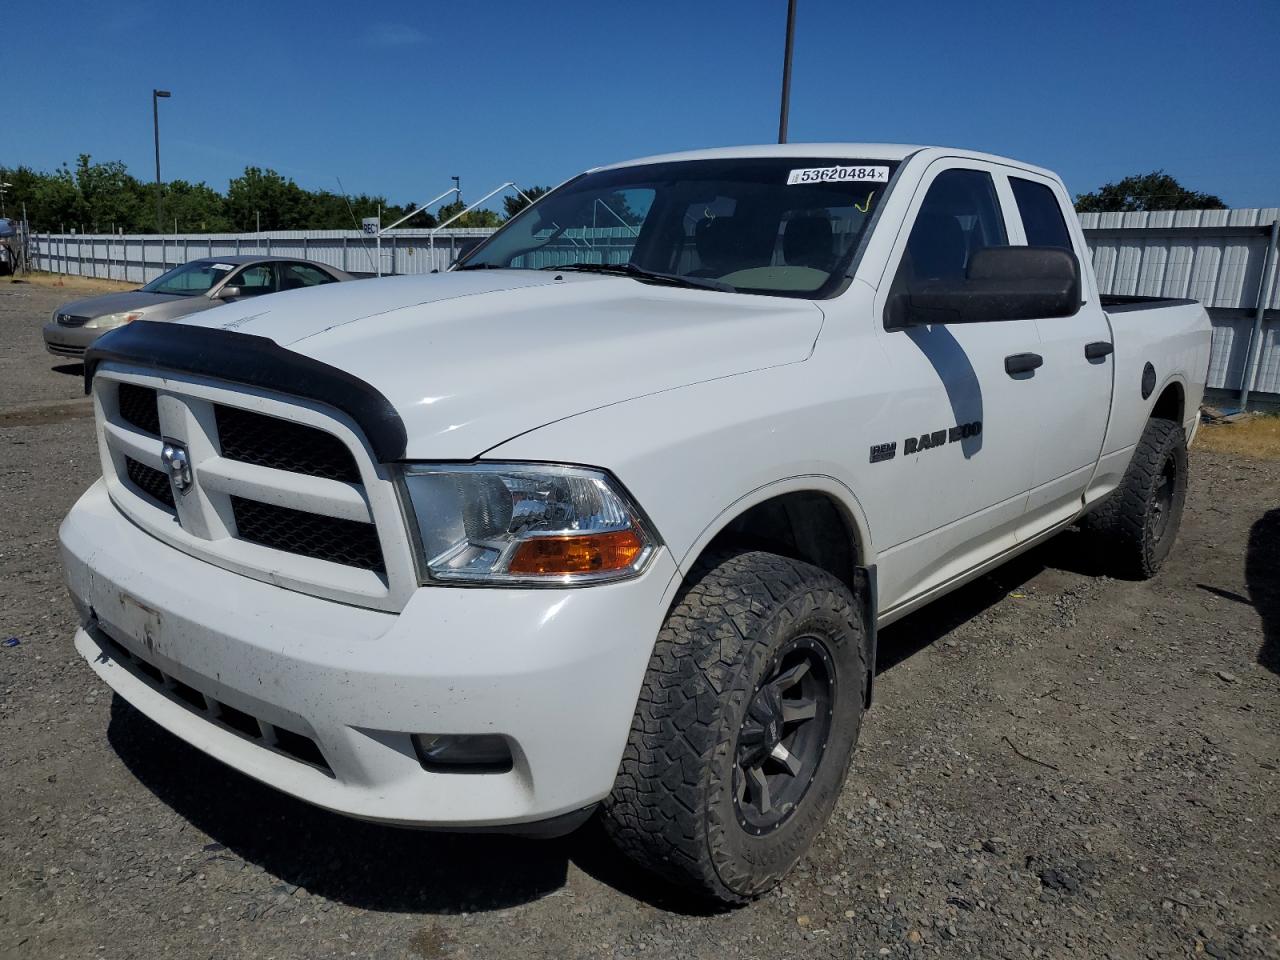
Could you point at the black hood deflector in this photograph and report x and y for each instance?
(256, 362)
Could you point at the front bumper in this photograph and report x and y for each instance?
(555, 671)
(70, 341)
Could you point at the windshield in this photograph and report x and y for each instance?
(786, 226)
(190, 279)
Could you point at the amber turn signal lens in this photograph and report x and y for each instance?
(582, 553)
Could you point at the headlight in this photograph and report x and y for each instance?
(113, 319)
(525, 524)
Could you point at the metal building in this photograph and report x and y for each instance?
(1218, 257)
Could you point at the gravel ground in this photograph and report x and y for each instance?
(1057, 764)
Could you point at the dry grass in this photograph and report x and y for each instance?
(1256, 436)
(72, 285)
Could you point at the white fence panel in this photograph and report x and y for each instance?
(139, 258)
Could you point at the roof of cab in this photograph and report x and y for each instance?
(850, 151)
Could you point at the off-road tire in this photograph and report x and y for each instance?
(673, 809)
(1128, 528)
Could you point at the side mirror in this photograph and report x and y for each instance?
(229, 293)
(1002, 283)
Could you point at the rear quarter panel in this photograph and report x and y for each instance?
(1174, 339)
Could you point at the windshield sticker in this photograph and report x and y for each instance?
(221, 266)
(838, 175)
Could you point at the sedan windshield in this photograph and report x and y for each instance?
(787, 226)
(190, 279)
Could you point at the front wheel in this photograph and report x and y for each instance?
(745, 727)
(1137, 524)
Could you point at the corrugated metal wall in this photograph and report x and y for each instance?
(1214, 256)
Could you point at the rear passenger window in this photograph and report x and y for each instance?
(1041, 214)
(255, 280)
(959, 216)
(297, 275)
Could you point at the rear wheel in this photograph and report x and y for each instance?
(1138, 523)
(745, 727)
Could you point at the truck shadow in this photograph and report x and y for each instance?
(1069, 552)
(361, 864)
(1262, 575)
(385, 868)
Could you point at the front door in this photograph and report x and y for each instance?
(962, 469)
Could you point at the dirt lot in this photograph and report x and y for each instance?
(1057, 764)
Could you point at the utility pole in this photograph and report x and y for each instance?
(457, 186)
(156, 97)
(786, 72)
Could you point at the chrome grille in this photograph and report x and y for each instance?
(71, 320)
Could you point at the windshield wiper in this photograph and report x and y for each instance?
(646, 276)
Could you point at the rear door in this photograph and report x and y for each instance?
(295, 276)
(1074, 400)
(961, 469)
(255, 280)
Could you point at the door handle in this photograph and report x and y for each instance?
(1098, 349)
(1017, 363)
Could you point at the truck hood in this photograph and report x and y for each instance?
(116, 303)
(470, 360)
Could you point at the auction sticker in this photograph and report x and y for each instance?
(839, 175)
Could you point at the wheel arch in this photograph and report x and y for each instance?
(814, 519)
(1171, 403)
(808, 503)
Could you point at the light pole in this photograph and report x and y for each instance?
(786, 72)
(3, 188)
(156, 97)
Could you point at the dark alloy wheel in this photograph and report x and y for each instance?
(1136, 525)
(784, 735)
(1162, 500)
(745, 725)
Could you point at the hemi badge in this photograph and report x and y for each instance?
(884, 451)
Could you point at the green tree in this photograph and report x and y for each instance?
(97, 196)
(515, 203)
(474, 218)
(333, 211)
(329, 211)
(51, 199)
(1147, 191)
(423, 220)
(111, 197)
(266, 197)
(196, 207)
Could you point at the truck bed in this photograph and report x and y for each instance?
(1121, 303)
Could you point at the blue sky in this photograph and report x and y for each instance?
(396, 97)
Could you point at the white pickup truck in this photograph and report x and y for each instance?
(604, 520)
